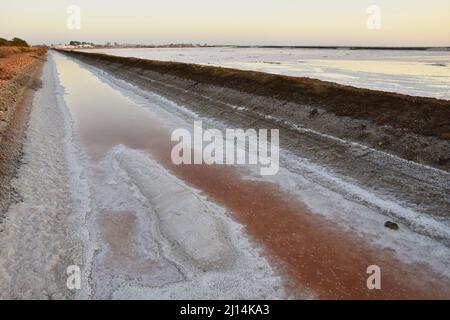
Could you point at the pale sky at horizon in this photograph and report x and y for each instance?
(251, 22)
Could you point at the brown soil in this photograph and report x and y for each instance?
(13, 60)
(18, 79)
(424, 116)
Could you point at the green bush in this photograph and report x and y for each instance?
(3, 42)
(15, 42)
(19, 42)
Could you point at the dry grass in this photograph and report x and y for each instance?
(14, 59)
(9, 51)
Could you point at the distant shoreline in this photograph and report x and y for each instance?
(187, 46)
(348, 48)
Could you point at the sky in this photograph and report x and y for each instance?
(239, 22)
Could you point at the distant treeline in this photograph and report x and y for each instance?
(15, 42)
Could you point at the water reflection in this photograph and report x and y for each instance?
(421, 73)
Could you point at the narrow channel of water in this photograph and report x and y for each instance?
(312, 253)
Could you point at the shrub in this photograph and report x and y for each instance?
(3, 42)
(15, 42)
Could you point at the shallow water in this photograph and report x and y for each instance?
(313, 252)
(419, 73)
(135, 243)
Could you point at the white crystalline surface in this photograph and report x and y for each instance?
(45, 232)
(135, 230)
(418, 73)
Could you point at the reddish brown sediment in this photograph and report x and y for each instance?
(312, 252)
(125, 255)
(118, 230)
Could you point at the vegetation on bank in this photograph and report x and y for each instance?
(14, 42)
(9, 51)
(13, 46)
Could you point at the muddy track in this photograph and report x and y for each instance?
(16, 99)
(357, 147)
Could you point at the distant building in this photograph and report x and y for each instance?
(77, 44)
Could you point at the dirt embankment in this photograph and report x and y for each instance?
(14, 59)
(413, 128)
(425, 116)
(19, 77)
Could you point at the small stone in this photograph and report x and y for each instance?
(391, 225)
(314, 112)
